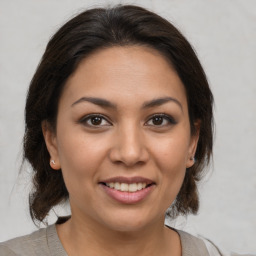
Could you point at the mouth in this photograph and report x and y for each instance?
(128, 190)
(125, 187)
(128, 184)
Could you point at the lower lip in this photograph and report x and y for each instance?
(128, 197)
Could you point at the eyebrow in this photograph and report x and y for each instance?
(149, 104)
(161, 101)
(97, 101)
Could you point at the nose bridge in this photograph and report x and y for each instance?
(130, 139)
(129, 146)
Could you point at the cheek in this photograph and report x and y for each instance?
(171, 153)
(80, 157)
(171, 158)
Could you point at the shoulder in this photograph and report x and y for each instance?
(44, 242)
(192, 245)
(32, 244)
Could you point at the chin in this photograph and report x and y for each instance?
(128, 221)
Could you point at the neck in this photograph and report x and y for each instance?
(80, 237)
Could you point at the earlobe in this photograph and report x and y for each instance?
(193, 145)
(51, 144)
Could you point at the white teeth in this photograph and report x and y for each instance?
(133, 187)
(117, 186)
(140, 186)
(126, 187)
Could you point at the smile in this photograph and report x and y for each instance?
(125, 187)
(128, 190)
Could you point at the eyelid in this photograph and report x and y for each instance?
(85, 118)
(168, 117)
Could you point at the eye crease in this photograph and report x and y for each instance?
(95, 120)
(161, 120)
(98, 120)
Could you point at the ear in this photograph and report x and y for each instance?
(51, 144)
(193, 145)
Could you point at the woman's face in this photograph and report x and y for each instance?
(123, 138)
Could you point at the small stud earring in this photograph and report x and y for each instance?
(52, 162)
(192, 158)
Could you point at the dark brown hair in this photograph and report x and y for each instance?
(89, 31)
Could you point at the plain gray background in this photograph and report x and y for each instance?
(223, 32)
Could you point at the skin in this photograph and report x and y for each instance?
(127, 142)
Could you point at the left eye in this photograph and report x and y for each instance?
(160, 120)
(95, 120)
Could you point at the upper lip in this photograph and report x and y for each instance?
(128, 180)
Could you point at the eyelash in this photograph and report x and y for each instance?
(168, 118)
(85, 119)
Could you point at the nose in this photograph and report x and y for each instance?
(129, 147)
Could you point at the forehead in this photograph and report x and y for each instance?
(123, 73)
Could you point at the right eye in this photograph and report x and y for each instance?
(95, 120)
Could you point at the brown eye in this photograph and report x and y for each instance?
(95, 120)
(161, 120)
(157, 120)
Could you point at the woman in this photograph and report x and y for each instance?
(119, 123)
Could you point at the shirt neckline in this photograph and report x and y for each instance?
(56, 248)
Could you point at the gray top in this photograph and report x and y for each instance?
(45, 242)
